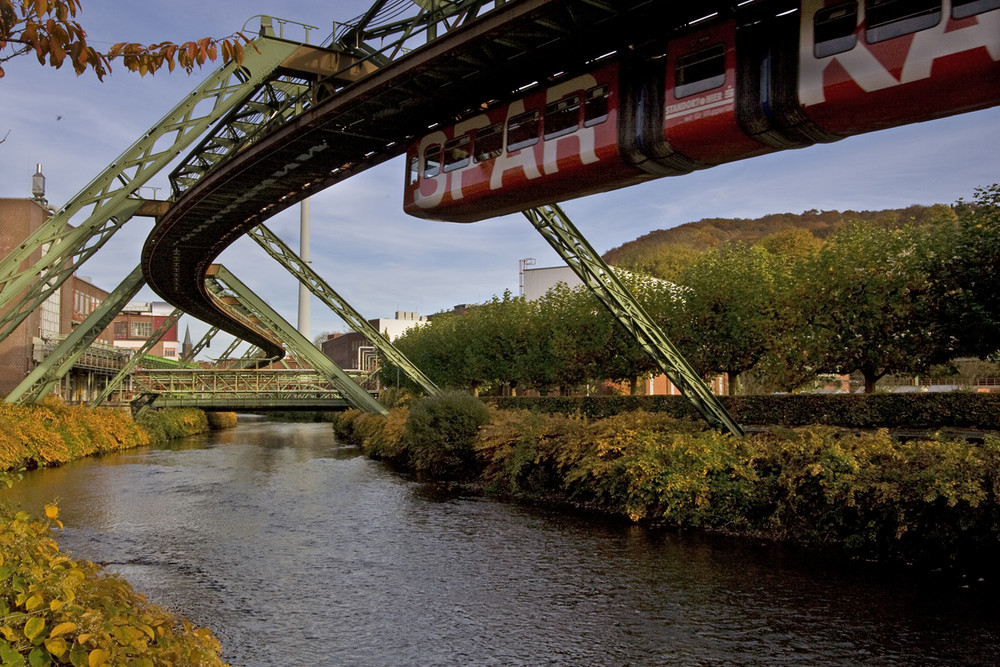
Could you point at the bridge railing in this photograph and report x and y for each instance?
(276, 384)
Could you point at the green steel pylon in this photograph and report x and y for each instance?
(51, 370)
(106, 196)
(277, 249)
(566, 239)
(137, 357)
(354, 394)
(200, 345)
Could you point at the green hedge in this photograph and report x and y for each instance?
(911, 410)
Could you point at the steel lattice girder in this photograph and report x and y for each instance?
(350, 390)
(40, 381)
(277, 249)
(137, 356)
(226, 88)
(200, 345)
(566, 239)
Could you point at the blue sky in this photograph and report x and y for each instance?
(381, 260)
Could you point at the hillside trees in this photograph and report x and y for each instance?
(49, 29)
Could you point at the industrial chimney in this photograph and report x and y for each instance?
(38, 185)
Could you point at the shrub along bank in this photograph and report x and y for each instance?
(56, 611)
(933, 501)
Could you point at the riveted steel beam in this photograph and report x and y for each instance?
(285, 256)
(130, 365)
(566, 239)
(51, 370)
(205, 341)
(299, 344)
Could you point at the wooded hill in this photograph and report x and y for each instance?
(667, 252)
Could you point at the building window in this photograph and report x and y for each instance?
(141, 329)
(170, 352)
(121, 330)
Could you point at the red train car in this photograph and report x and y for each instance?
(773, 75)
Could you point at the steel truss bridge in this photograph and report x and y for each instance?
(297, 117)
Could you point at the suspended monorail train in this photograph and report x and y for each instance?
(768, 76)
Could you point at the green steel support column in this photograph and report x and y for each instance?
(53, 268)
(567, 240)
(200, 345)
(229, 350)
(224, 89)
(137, 357)
(40, 381)
(355, 395)
(269, 241)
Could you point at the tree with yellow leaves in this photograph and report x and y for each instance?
(48, 28)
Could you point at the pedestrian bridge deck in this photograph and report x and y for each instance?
(256, 390)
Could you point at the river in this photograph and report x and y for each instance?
(296, 550)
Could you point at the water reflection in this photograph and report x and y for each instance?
(297, 551)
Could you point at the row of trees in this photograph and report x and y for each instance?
(874, 298)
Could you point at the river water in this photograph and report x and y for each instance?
(296, 550)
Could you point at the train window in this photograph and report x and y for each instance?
(456, 153)
(835, 29)
(886, 19)
(562, 117)
(700, 71)
(522, 131)
(595, 106)
(432, 161)
(961, 9)
(489, 142)
(412, 169)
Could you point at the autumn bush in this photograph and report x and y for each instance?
(935, 500)
(52, 433)
(170, 423)
(57, 611)
(221, 420)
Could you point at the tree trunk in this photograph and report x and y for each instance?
(734, 384)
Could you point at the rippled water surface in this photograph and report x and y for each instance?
(297, 551)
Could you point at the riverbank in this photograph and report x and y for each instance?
(55, 610)
(933, 502)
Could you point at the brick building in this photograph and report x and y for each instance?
(352, 351)
(137, 322)
(54, 319)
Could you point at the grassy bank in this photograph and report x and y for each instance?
(933, 501)
(57, 611)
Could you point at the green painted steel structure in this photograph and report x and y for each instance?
(110, 196)
(234, 389)
(556, 227)
(357, 396)
(137, 356)
(43, 377)
(284, 255)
